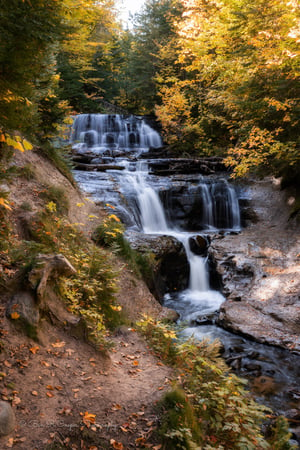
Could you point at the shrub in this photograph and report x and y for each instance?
(226, 415)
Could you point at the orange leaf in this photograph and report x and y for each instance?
(34, 349)
(116, 445)
(49, 394)
(88, 417)
(15, 315)
(140, 440)
(135, 363)
(116, 407)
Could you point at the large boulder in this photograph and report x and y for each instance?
(166, 259)
(260, 271)
(23, 310)
(7, 418)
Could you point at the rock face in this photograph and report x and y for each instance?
(260, 271)
(166, 257)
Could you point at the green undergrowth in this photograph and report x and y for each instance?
(208, 407)
(110, 233)
(90, 293)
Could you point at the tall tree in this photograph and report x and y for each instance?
(152, 29)
(241, 91)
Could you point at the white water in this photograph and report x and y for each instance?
(100, 132)
(198, 298)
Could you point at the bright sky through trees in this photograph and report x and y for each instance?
(129, 6)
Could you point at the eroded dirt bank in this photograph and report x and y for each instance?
(65, 392)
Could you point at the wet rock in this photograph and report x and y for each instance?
(247, 318)
(260, 270)
(252, 367)
(199, 244)
(171, 166)
(7, 419)
(265, 385)
(168, 314)
(165, 256)
(208, 319)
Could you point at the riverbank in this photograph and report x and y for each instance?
(260, 269)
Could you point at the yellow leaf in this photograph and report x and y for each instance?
(27, 145)
(15, 144)
(15, 315)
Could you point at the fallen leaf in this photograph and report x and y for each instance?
(59, 388)
(58, 344)
(15, 315)
(116, 445)
(34, 393)
(44, 363)
(116, 407)
(16, 401)
(34, 349)
(88, 418)
(51, 388)
(67, 411)
(7, 364)
(49, 394)
(10, 442)
(135, 363)
(69, 351)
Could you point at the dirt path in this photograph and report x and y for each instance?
(67, 392)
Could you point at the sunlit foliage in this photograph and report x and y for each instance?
(240, 89)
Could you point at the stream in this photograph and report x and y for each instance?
(188, 207)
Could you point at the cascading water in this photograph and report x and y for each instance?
(101, 132)
(198, 299)
(178, 206)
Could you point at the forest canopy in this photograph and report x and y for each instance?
(222, 77)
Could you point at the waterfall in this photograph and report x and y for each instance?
(198, 299)
(154, 221)
(98, 132)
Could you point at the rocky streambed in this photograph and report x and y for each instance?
(185, 214)
(260, 269)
